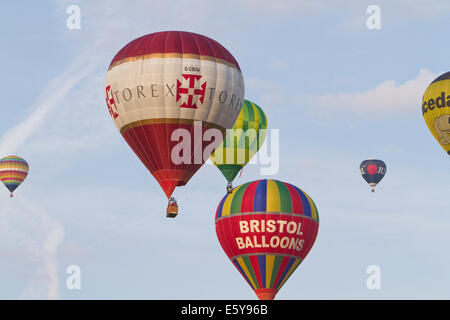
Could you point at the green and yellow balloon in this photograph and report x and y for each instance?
(436, 109)
(242, 142)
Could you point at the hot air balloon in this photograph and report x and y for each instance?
(164, 91)
(372, 170)
(436, 109)
(13, 171)
(266, 228)
(241, 143)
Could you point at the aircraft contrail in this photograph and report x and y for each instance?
(52, 95)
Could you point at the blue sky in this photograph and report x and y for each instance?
(338, 92)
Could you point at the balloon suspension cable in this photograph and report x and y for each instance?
(230, 187)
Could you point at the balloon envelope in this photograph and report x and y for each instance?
(13, 171)
(436, 109)
(372, 170)
(242, 142)
(266, 228)
(164, 91)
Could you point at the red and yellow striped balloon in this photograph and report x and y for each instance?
(13, 171)
(266, 228)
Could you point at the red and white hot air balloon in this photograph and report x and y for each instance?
(173, 80)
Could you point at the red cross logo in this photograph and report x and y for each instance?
(110, 103)
(191, 91)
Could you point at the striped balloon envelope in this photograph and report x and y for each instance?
(266, 228)
(13, 171)
(242, 142)
(168, 93)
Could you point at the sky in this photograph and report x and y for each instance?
(338, 93)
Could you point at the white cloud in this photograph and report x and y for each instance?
(45, 282)
(417, 9)
(278, 65)
(392, 148)
(398, 11)
(285, 7)
(30, 237)
(387, 97)
(53, 94)
(266, 93)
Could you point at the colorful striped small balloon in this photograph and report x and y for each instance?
(13, 171)
(266, 228)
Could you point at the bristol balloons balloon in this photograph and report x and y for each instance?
(372, 170)
(266, 228)
(13, 171)
(436, 109)
(242, 142)
(167, 89)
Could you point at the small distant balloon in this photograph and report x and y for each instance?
(13, 171)
(373, 170)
